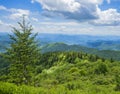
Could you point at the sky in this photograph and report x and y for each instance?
(88, 17)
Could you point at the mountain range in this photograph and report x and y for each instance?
(61, 47)
(98, 42)
(103, 46)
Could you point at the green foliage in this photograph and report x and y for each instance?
(7, 88)
(73, 70)
(3, 62)
(39, 69)
(108, 54)
(101, 68)
(22, 54)
(117, 78)
(102, 80)
(68, 88)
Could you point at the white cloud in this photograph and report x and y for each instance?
(71, 9)
(15, 13)
(1, 22)
(80, 10)
(2, 7)
(60, 5)
(75, 28)
(91, 1)
(4, 27)
(5, 24)
(32, 1)
(108, 1)
(108, 17)
(34, 19)
(66, 5)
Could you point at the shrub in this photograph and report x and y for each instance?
(117, 79)
(101, 69)
(73, 69)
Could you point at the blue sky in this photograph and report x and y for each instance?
(91, 17)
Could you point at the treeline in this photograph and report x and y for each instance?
(61, 47)
(70, 57)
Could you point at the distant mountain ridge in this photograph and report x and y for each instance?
(64, 47)
(98, 42)
(99, 45)
(61, 47)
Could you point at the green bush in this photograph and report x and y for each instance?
(117, 79)
(102, 81)
(101, 69)
(73, 70)
(73, 85)
(7, 88)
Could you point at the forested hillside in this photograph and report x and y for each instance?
(108, 54)
(70, 73)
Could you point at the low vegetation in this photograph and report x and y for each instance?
(68, 73)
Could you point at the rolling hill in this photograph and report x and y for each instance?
(108, 54)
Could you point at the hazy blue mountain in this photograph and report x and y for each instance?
(4, 41)
(98, 42)
(86, 40)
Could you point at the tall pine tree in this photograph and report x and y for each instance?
(23, 53)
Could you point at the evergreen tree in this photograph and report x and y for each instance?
(23, 53)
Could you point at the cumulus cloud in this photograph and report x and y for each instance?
(80, 10)
(108, 17)
(55, 5)
(71, 9)
(15, 13)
